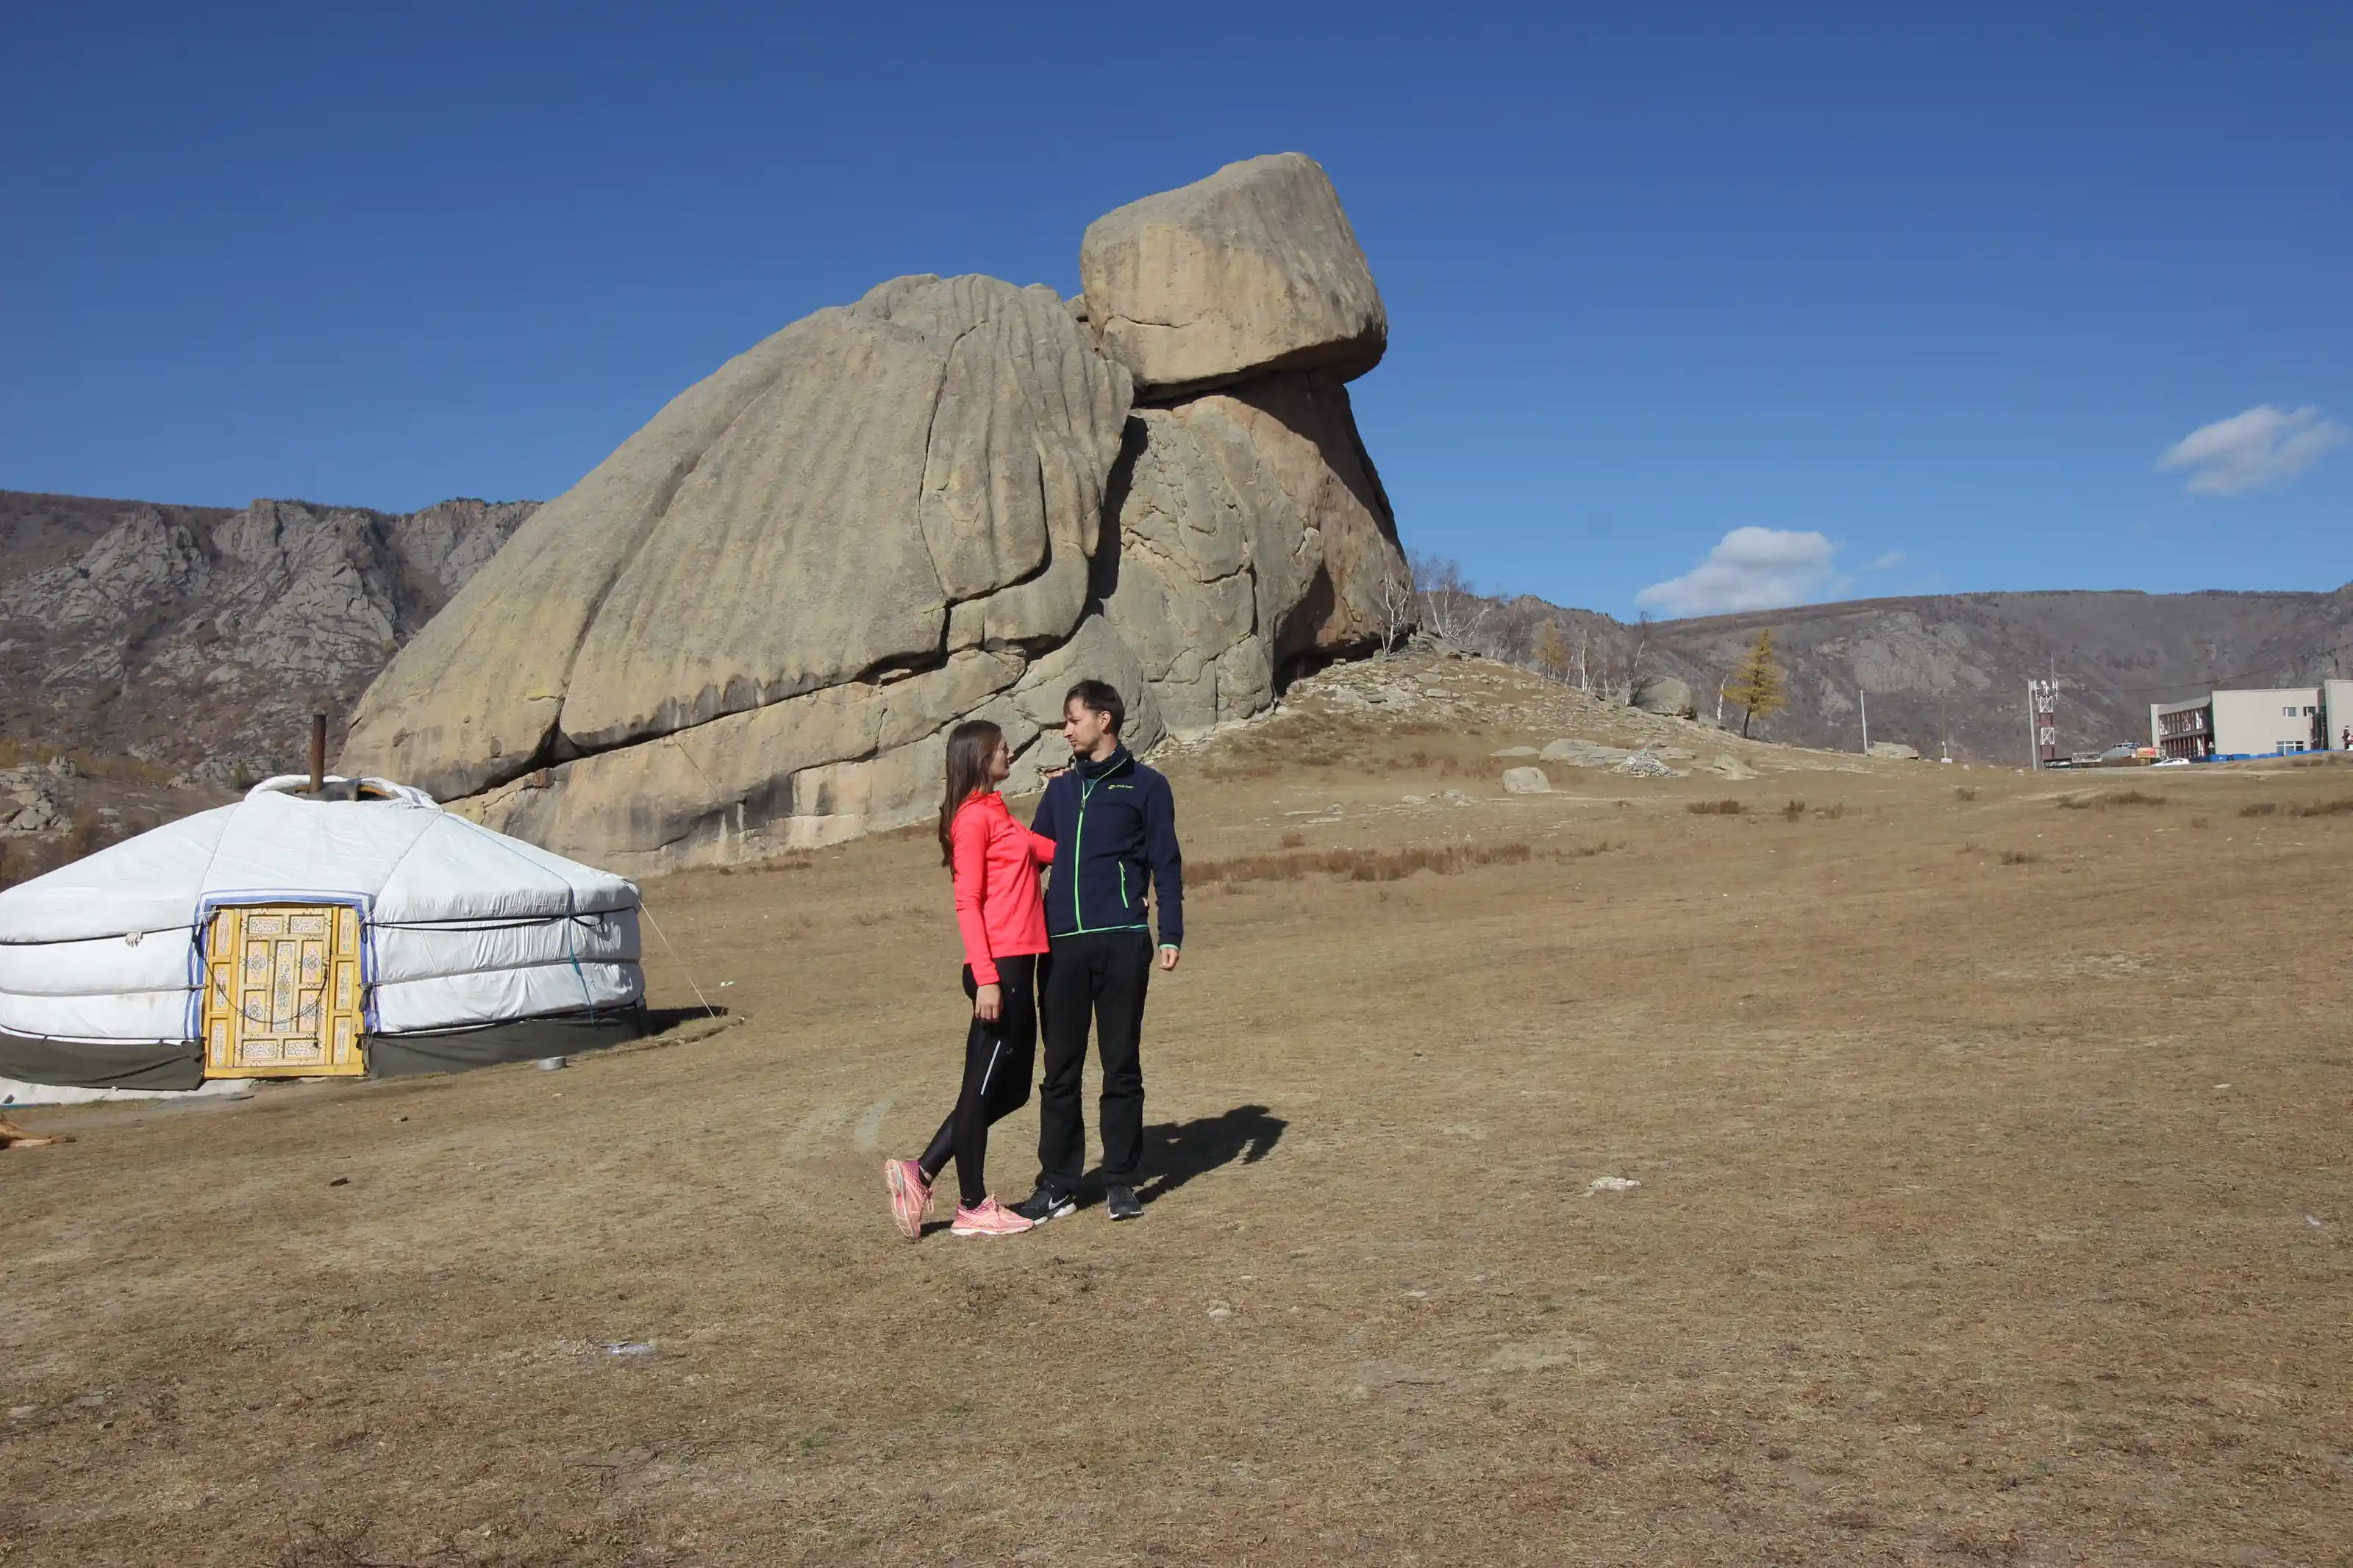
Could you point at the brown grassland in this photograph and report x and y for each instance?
(1993, 1208)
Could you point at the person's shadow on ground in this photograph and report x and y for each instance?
(1177, 1152)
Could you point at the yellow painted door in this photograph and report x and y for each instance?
(282, 992)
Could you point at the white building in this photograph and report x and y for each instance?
(2275, 721)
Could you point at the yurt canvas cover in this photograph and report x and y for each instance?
(292, 936)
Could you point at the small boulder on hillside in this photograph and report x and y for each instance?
(1583, 753)
(1663, 694)
(1526, 781)
(1894, 752)
(1250, 270)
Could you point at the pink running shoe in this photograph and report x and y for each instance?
(988, 1218)
(911, 1195)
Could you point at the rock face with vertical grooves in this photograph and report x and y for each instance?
(1252, 270)
(750, 627)
(1252, 532)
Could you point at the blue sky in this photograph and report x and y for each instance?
(1662, 281)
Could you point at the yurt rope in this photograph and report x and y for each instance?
(647, 910)
(571, 905)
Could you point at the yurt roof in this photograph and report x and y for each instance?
(399, 854)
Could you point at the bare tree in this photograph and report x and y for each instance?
(1510, 630)
(1396, 601)
(1634, 659)
(1447, 605)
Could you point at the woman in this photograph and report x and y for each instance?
(1002, 917)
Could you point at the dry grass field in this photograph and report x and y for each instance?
(1994, 1205)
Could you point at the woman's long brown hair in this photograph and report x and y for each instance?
(970, 745)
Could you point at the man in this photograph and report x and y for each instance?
(1113, 824)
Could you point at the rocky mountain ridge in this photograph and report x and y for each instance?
(200, 639)
(1952, 669)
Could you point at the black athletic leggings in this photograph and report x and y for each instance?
(998, 1060)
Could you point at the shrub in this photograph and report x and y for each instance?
(1713, 808)
(2114, 798)
(2018, 858)
(1793, 810)
(2337, 807)
(17, 753)
(1293, 840)
(1356, 864)
(1965, 792)
(89, 833)
(2261, 809)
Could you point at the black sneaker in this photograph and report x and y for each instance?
(1120, 1203)
(1045, 1204)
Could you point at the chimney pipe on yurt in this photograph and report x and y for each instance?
(318, 755)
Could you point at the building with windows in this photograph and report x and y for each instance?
(2273, 723)
(2182, 729)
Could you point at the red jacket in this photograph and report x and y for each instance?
(999, 910)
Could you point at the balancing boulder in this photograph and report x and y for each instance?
(750, 627)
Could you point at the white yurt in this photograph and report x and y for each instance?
(361, 929)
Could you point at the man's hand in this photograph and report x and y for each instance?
(988, 1004)
(1168, 956)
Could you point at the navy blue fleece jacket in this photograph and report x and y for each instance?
(1113, 824)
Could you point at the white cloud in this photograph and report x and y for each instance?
(1749, 569)
(2264, 445)
(1887, 563)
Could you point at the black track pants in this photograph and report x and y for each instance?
(998, 1059)
(1098, 977)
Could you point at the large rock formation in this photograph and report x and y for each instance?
(751, 625)
(1252, 270)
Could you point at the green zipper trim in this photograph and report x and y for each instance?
(1078, 857)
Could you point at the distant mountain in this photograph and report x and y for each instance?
(200, 637)
(1955, 667)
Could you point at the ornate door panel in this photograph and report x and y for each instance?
(282, 992)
